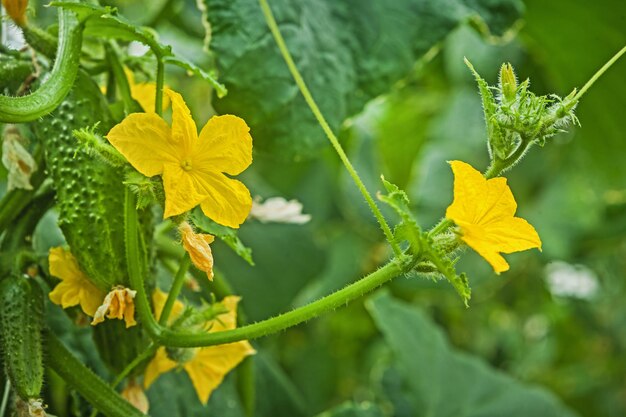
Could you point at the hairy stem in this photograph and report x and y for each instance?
(271, 22)
(52, 92)
(177, 285)
(150, 350)
(134, 257)
(286, 320)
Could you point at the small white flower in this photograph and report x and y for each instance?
(576, 281)
(278, 210)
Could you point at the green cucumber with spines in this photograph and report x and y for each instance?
(90, 202)
(89, 193)
(21, 323)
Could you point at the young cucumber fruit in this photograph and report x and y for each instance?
(89, 193)
(21, 321)
(90, 202)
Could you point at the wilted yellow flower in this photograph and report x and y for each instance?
(17, 160)
(134, 394)
(118, 304)
(74, 288)
(192, 166)
(484, 210)
(209, 365)
(197, 246)
(16, 9)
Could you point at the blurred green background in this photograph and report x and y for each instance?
(556, 320)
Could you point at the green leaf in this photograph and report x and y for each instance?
(447, 382)
(490, 107)
(83, 10)
(226, 234)
(101, 23)
(349, 52)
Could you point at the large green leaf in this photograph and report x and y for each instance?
(446, 382)
(348, 52)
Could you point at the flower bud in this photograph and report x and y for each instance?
(16, 9)
(508, 82)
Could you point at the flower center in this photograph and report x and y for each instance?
(186, 165)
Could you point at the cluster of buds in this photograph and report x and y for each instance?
(516, 118)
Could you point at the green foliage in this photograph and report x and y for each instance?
(348, 52)
(408, 229)
(408, 54)
(444, 382)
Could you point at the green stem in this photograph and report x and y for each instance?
(78, 376)
(286, 320)
(150, 350)
(5, 397)
(52, 92)
(160, 81)
(177, 285)
(133, 259)
(441, 227)
(271, 22)
(599, 73)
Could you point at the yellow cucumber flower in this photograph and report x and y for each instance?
(485, 212)
(197, 246)
(193, 167)
(209, 365)
(74, 288)
(144, 93)
(118, 304)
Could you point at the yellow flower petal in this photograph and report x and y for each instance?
(197, 246)
(229, 201)
(225, 145)
(16, 9)
(146, 142)
(484, 210)
(144, 93)
(158, 301)
(210, 365)
(160, 364)
(135, 395)
(227, 321)
(184, 131)
(74, 288)
(183, 189)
